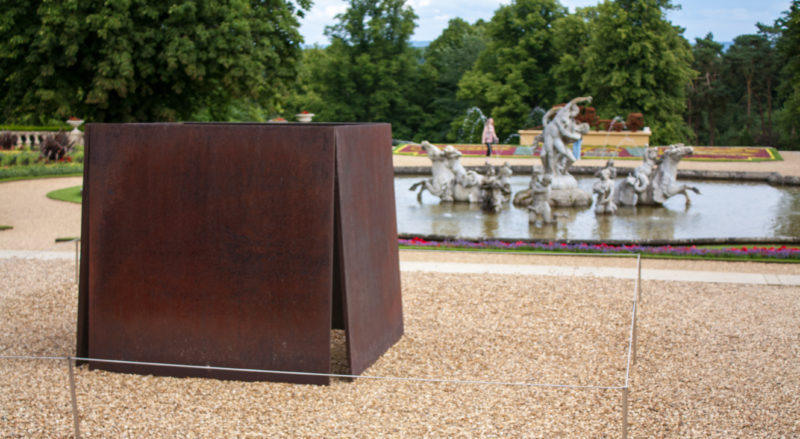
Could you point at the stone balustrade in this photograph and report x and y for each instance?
(34, 139)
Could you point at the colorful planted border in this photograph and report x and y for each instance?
(754, 252)
(702, 153)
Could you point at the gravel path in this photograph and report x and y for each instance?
(713, 361)
(37, 220)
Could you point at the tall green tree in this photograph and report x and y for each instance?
(304, 95)
(512, 76)
(637, 61)
(143, 60)
(707, 97)
(788, 46)
(371, 73)
(750, 73)
(574, 34)
(447, 58)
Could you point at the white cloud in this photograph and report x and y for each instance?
(418, 4)
(572, 4)
(322, 14)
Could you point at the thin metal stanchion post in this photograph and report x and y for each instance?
(624, 413)
(633, 342)
(74, 399)
(639, 277)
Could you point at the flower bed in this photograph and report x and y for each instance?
(754, 252)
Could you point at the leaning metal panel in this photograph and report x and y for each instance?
(367, 242)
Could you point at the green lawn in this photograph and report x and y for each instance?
(71, 194)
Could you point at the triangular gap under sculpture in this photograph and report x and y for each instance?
(340, 348)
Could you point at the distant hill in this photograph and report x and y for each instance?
(417, 44)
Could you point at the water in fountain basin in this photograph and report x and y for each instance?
(724, 210)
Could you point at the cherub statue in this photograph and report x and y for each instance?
(605, 192)
(628, 190)
(540, 199)
(504, 174)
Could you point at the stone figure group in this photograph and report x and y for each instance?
(452, 182)
(652, 183)
(561, 128)
(655, 180)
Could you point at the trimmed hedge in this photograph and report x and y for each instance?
(40, 170)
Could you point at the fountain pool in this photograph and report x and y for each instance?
(724, 210)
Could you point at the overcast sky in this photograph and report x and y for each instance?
(725, 18)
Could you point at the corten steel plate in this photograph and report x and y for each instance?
(368, 242)
(215, 244)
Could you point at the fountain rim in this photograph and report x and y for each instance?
(771, 178)
(782, 240)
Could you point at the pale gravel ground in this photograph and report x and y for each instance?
(713, 361)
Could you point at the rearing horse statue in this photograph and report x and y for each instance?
(656, 180)
(441, 185)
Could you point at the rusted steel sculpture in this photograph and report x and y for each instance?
(238, 245)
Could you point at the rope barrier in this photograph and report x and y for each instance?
(631, 358)
(314, 374)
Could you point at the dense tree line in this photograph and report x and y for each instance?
(141, 60)
(748, 93)
(533, 54)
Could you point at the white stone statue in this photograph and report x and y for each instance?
(452, 182)
(440, 184)
(563, 129)
(504, 174)
(467, 184)
(540, 199)
(560, 129)
(628, 190)
(605, 192)
(655, 180)
(492, 196)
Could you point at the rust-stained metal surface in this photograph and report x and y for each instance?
(368, 242)
(215, 244)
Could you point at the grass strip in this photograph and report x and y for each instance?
(71, 194)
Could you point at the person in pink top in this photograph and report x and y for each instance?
(489, 136)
